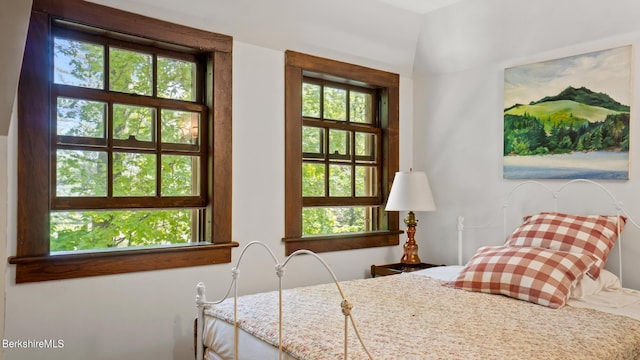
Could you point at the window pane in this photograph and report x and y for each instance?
(92, 230)
(310, 100)
(339, 180)
(339, 144)
(78, 63)
(180, 127)
(176, 79)
(312, 141)
(365, 146)
(335, 103)
(81, 173)
(366, 181)
(313, 179)
(130, 72)
(319, 220)
(133, 122)
(81, 118)
(134, 174)
(180, 175)
(360, 107)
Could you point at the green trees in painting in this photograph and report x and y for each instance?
(526, 135)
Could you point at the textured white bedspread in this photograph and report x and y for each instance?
(416, 317)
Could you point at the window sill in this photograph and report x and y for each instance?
(340, 242)
(74, 265)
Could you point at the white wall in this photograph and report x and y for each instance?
(149, 315)
(458, 89)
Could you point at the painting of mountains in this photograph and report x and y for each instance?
(568, 118)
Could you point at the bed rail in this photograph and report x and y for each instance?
(280, 267)
(555, 194)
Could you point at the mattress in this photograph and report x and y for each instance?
(219, 343)
(417, 318)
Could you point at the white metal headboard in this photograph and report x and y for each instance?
(620, 210)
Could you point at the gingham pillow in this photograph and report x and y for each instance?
(537, 275)
(593, 235)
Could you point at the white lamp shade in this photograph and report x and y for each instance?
(410, 192)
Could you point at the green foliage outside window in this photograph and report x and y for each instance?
(335, 160)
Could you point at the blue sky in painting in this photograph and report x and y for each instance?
(606, 71)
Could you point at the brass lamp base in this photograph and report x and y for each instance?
(410, 256)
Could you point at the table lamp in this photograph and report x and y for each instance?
(410, 192)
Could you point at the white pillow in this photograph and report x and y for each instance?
(587, 286)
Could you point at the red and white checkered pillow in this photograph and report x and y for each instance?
(593, 235)
(537, 275)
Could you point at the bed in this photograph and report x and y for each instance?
(542, 294)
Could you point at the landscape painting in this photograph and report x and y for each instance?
(568, 118)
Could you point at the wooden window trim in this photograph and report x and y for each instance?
(33, 260)
(297, 66)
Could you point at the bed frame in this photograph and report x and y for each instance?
(345, 305)
(280, 267)
(555, 194)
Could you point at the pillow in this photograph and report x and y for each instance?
(537, 275)
(593, 235)
(587, 286)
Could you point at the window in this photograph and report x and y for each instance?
(342, 136)
(341, 163)
(123, 120)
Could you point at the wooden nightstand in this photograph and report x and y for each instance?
(397, 268)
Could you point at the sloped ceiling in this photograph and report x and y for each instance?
(485, 31)
(374, 33)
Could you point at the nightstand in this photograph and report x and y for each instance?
(397, 268)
